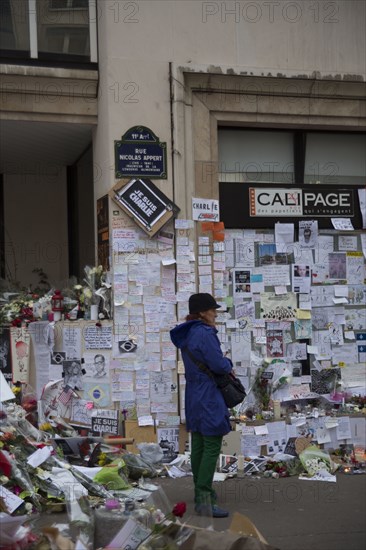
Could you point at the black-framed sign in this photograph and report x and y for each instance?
(140, 153)
(145, 203)
(253, 205)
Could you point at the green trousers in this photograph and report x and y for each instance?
(204, 455)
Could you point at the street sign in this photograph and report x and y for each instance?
(140, 153)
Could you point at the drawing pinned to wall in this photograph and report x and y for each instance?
(81, 412)
(278, 307)
(357, 295)
(20, 351)
(302, 329)
(275, 343)
(355, 321)
(355, 268)
(308, 233)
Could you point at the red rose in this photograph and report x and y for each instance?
(179, 509)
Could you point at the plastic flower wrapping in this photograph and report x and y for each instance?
(314, 460)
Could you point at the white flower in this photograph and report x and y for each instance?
(29, 507)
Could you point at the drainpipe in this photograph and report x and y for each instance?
(171, 94)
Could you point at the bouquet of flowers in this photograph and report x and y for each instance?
(94, 290)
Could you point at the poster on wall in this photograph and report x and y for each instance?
(241, 282)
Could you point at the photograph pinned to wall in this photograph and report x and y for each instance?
(308, 233)
(266, 254)
(73, 374)
(241, 282)
(275, 346)
(301, 278)
(278, 307)
(326, 381)
(337, 265)
(57, 359)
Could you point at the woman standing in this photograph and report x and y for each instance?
(207, 416)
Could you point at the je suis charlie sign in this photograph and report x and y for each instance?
(145, 203)
(139, 153)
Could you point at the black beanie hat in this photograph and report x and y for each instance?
(202, 302)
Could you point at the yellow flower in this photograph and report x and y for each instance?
(102, 459)
(16, 390)
(46, 427)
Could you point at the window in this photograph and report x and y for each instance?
(299, 156)
(335, 158)
(14, 25)
(68, 4)
(67, 40)
(256, 156)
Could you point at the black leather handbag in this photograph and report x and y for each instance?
(231, 388)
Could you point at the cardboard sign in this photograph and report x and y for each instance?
(105, 421)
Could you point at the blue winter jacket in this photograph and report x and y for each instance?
(206, 411)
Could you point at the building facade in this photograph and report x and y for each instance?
(246, 96)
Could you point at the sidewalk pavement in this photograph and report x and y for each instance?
(291, 514)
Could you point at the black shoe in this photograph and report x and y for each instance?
(211, 511)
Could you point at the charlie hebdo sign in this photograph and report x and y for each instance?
(205, 210)
(145, 203)
(301, 202)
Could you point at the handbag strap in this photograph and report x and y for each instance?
(200, 365)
